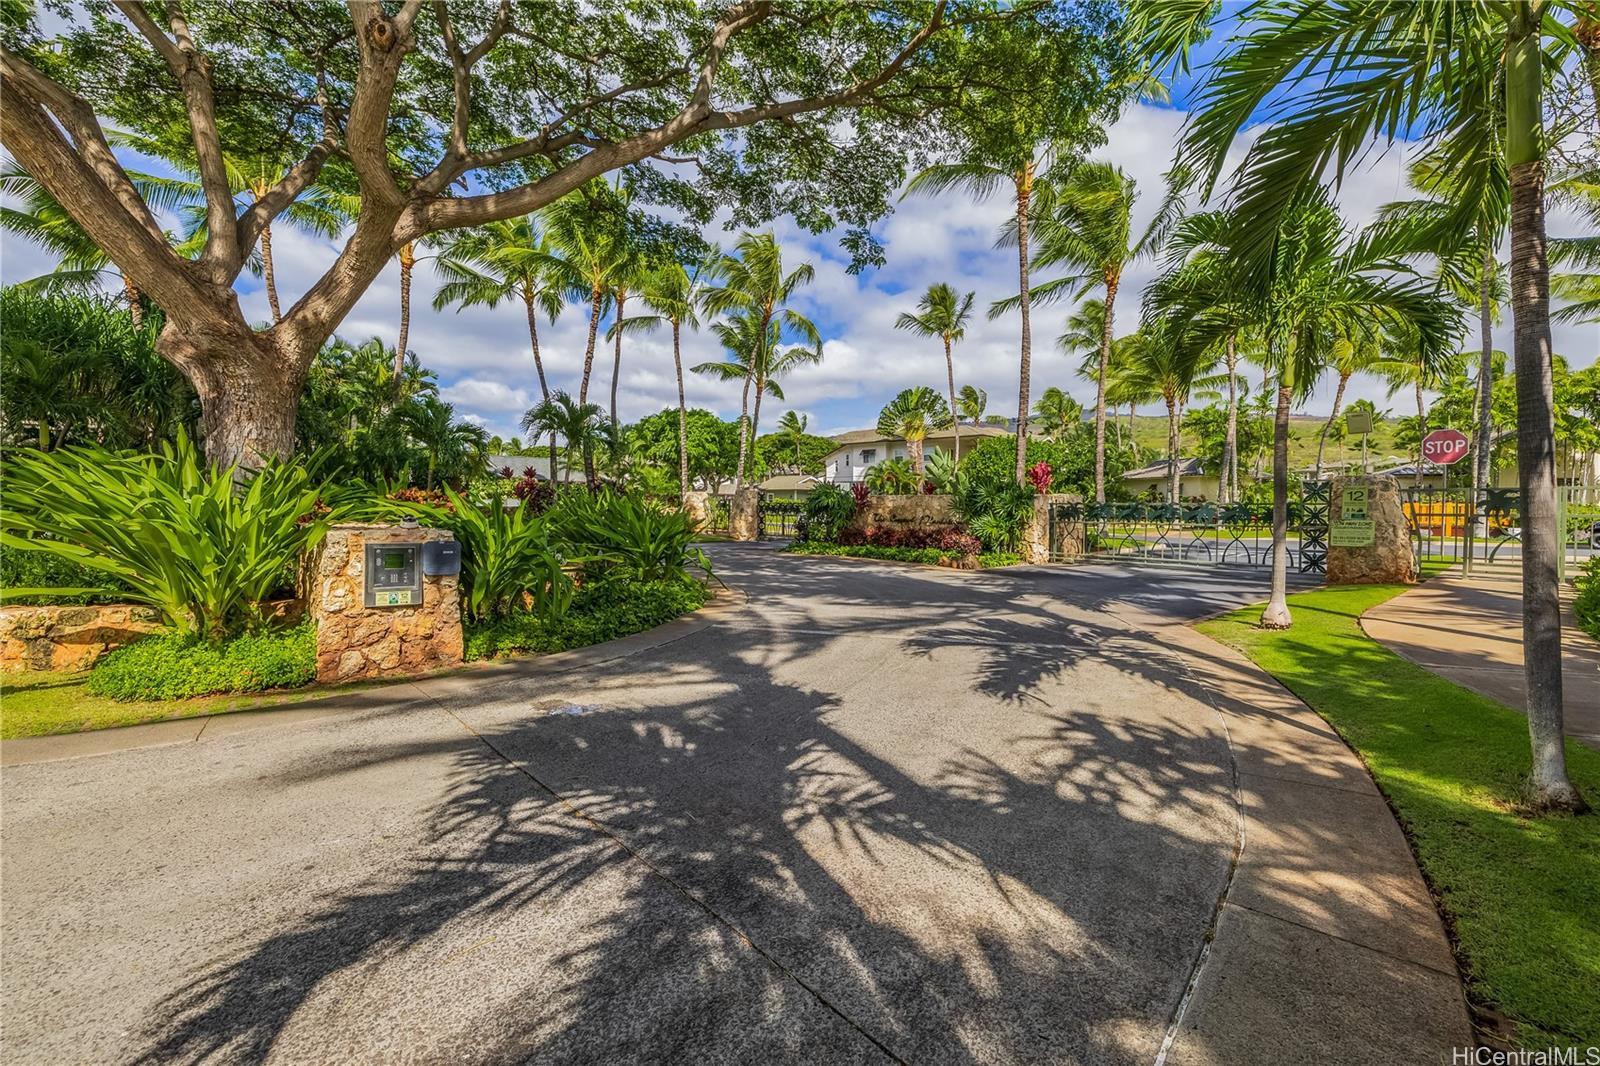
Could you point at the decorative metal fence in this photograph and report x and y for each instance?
(1214, 534)
(779, 515)
(1484, 528)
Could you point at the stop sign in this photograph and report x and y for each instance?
(1444, 446)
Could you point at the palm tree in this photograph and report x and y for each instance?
(793, 427)
(754, 290)
(971, 403)
(1057, 413)
(1467, 76)
(758, 362)
(1350, 356)
(1402, 361)
(1163, 364)
(942, 314)
(1086, 224)
(673, 293)
(588, 249)
(981, 179)
(505, 260)
(579, 424)
(911, 415)
(447, 442)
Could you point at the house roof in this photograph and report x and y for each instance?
(1186, 468)
(776, 483)
(853, 437)
(539, 464)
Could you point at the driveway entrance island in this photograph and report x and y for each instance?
(875, 814)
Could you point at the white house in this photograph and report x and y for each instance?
(860, 450)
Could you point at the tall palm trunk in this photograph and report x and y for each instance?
(950, 374)
(538, 366)
(267, 274)
(1422, 424)
(915, 448)
(596, 300)
(1322, 442)
(755, 416)
(408, 259)
(616, 361)
(1112, 280)
(1530, 305)
(683, 414)
(1481, 473)
(1172, 446)
(135, 304)
(1276, 616)
(1230, 438)
(1024, 180)
(744, 423)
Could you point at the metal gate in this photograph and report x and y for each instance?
(1483, 529)
(1207, 534)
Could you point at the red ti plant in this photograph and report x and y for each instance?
(860, 491)
(1039, 474)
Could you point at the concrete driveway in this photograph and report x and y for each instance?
(876, 814)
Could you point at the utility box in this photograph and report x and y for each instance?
(386, 602)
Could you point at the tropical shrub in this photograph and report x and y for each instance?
(1587, 603)
(893, 477)
(170, 666)
(601, 611)
(827, 511)
(947, 541)
(940, 471)
(619, 533)
(996, 511)
(861, 491)
(1071, 461)
(781, 505)
(1039, 476)
(204, 547)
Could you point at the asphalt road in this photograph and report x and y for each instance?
(879, 814)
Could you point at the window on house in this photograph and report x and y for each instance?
(869, 455)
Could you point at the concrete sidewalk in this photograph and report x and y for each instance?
(1469, 629)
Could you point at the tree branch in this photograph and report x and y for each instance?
(461, 64)
(193, 74)
(383, 43)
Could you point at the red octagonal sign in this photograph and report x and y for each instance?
(1444, 446)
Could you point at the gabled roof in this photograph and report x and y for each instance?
(853, 437)
(1186, 468)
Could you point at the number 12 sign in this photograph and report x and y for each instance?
(1444, 446)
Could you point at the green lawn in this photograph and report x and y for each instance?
(1522, 894)
(40, 704)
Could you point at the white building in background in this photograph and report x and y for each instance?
(860, 450)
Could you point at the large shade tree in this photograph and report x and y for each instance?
(1329, 77)
(445, 116)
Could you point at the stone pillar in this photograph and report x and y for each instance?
(1064, 543)
(696, 507)
(744, 514)
(1369, 541)
(357, 642)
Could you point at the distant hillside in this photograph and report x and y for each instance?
(1150, 433)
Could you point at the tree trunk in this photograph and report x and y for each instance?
(616, 362)
(1481, 471)
(596, 300)
(1548, 783)
(267, 274)
(538, 366)
(744, 422)
(755, 420)
(915, 448)
(950, 374)
(1230, 439)
(683, 415)
(408, 260)
(135, 304)
(1322, 442)
(1024, 180)
(1276, 616)
(249, 390)
(1422, 424)
(1112, 280)
(1172, 448)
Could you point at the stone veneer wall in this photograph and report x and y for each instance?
(356, 642)
(1070, 542)
(69, 638)
(906, 513)
(1389, 559)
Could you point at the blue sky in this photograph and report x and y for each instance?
(485, 368)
